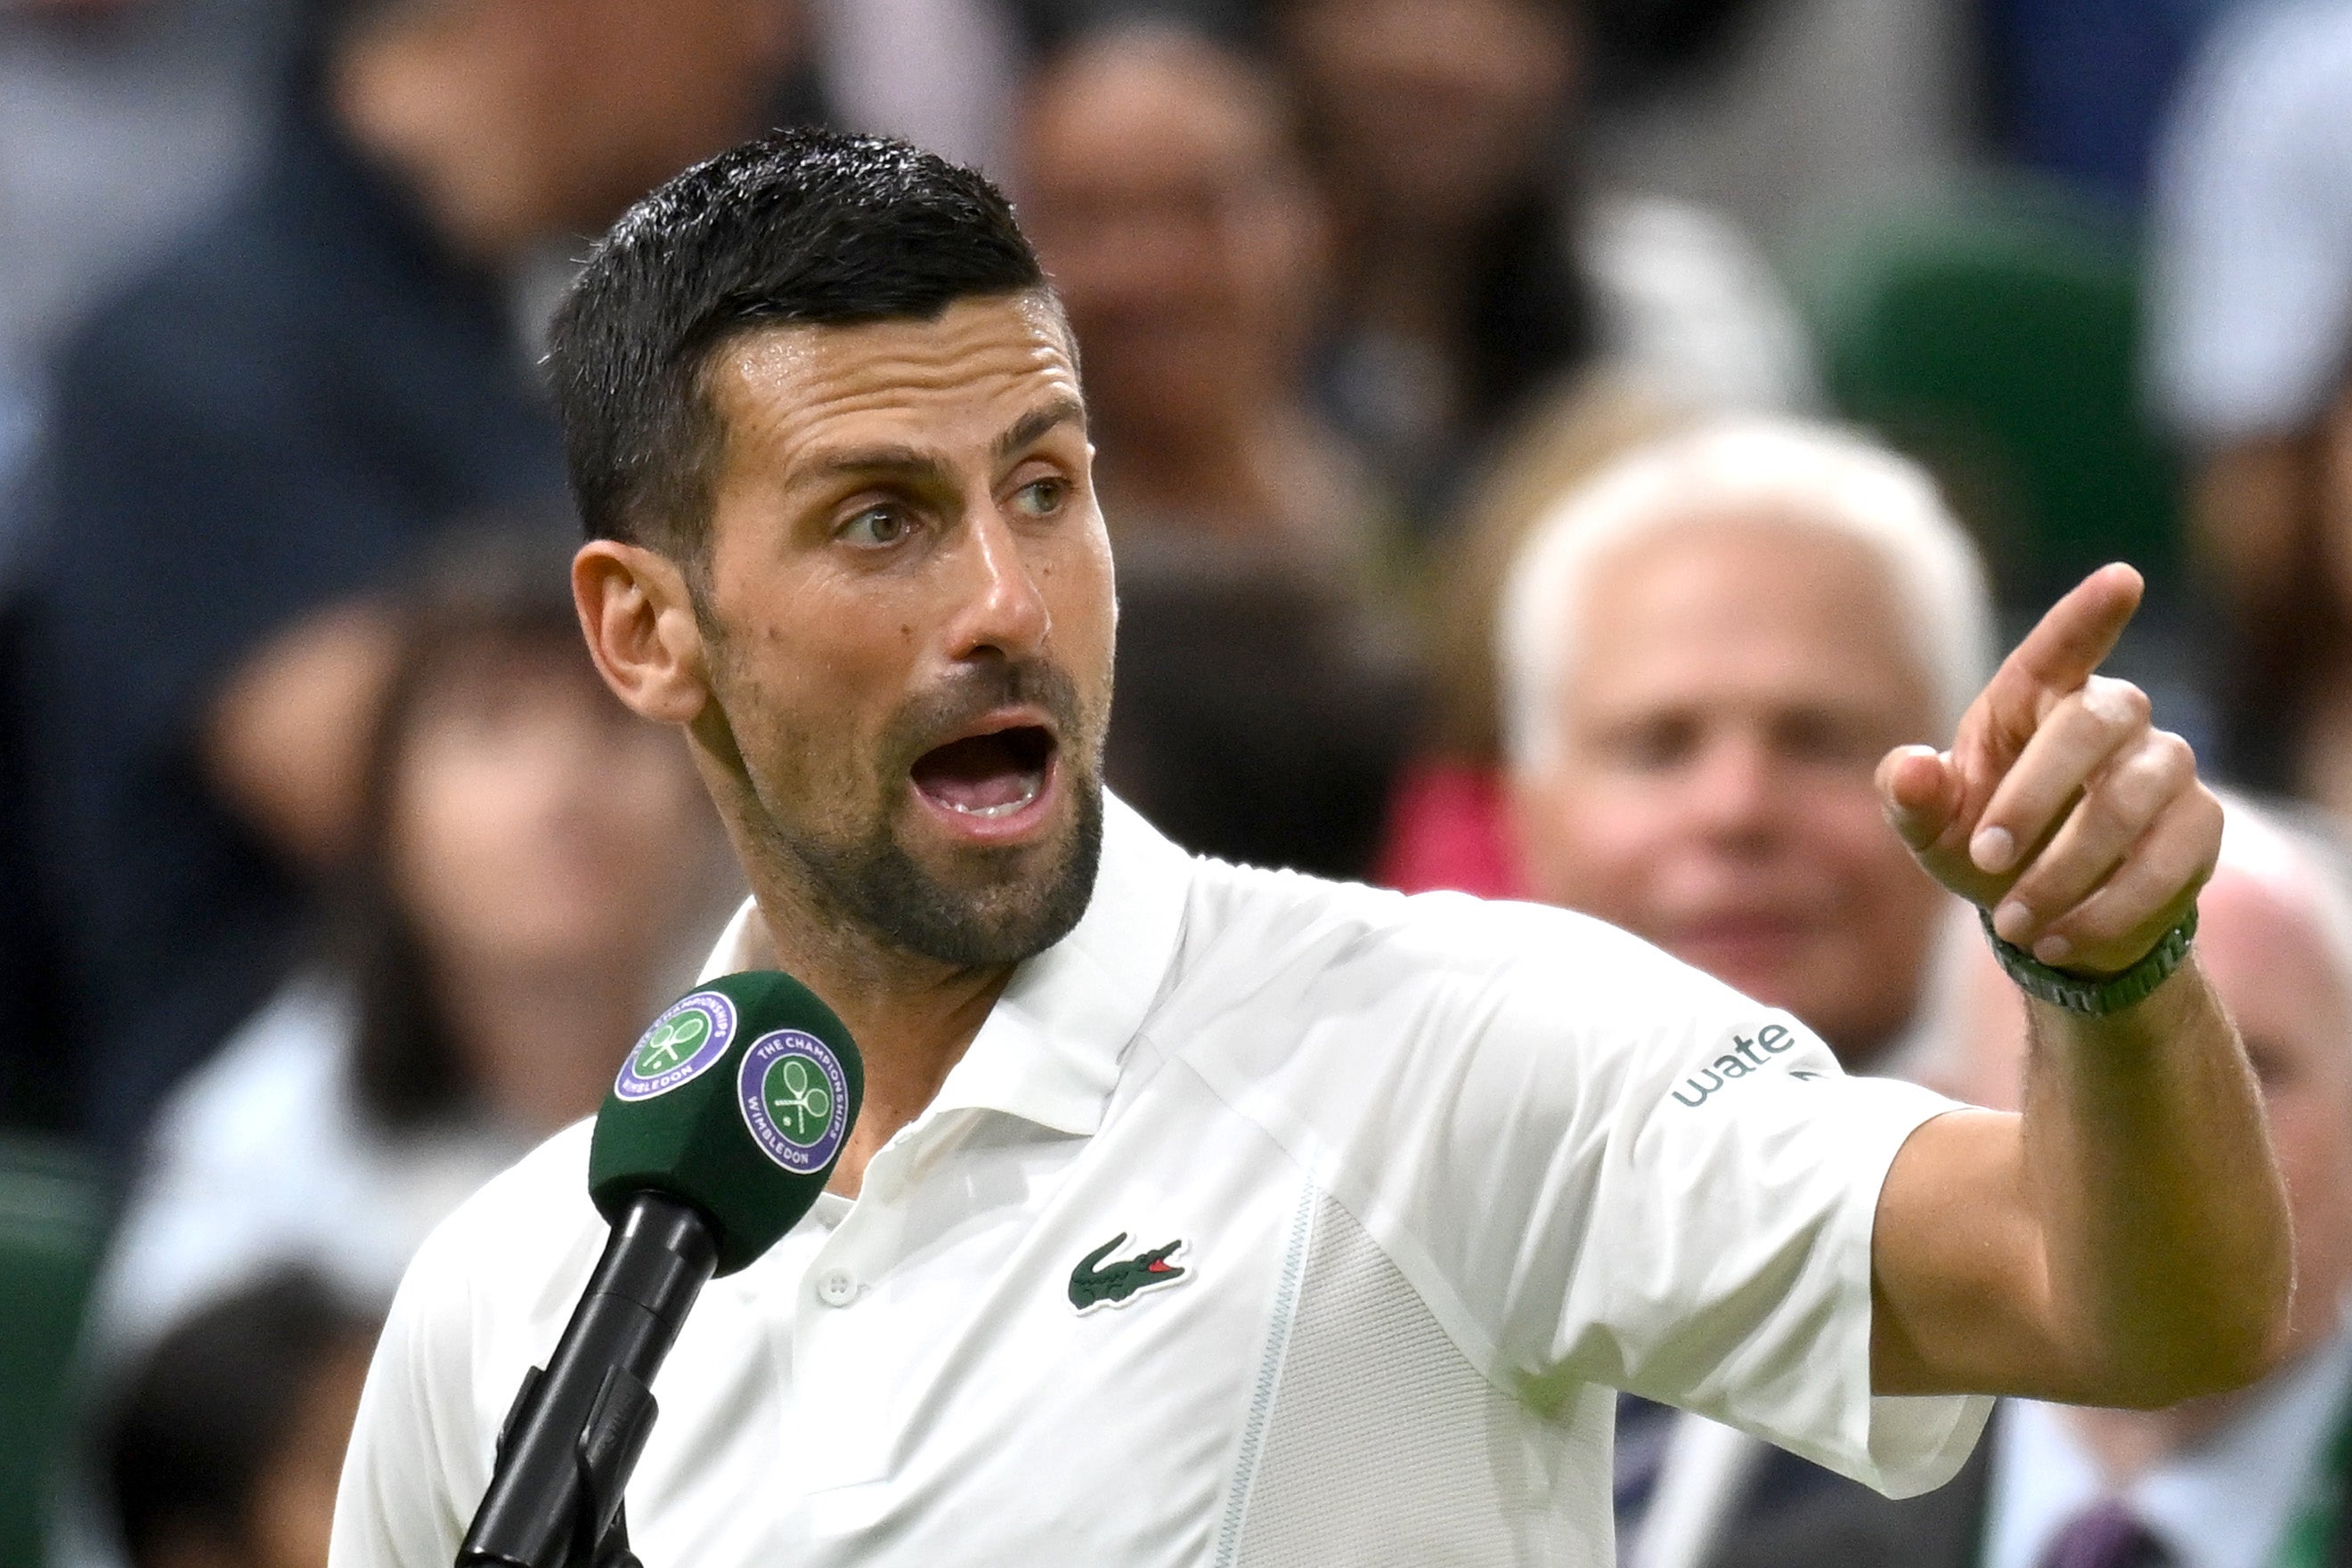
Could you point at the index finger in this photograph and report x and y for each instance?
(2066, 647)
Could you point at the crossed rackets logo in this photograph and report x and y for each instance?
(798, 1101)
(671, 1043)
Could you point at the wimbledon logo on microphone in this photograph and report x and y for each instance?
(794, 1098)
(684, 1042)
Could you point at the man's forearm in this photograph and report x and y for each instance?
(2127, 1242)
(2165, 1225)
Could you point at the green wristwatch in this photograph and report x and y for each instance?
(2095, 998)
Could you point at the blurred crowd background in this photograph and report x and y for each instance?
(1552, 448)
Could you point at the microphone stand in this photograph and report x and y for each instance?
(607, 1449)
(573, 1436)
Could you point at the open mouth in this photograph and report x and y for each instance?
(989, 777)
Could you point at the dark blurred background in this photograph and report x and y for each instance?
(331, 878)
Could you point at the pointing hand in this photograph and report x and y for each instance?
(2060, 807)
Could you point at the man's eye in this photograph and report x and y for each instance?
(1043, 497)
(1829, 739)
(1652, 745)
(874, 527)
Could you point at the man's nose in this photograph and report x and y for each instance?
(1003, 605)
(1736, 786)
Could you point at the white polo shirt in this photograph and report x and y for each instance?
(1423, 1179)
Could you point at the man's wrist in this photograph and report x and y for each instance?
(2094, 996)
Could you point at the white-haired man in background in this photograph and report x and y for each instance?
(1705, 651)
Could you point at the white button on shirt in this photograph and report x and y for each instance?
(1266, 1221)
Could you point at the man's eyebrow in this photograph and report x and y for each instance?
(913, 462)
(905, 462)
(1061, 411)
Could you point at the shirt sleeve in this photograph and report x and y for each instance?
(1732, 1220)
(1598, 1166)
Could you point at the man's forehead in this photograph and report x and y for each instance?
(964, 376)
(1704, 549)
(1734, 602)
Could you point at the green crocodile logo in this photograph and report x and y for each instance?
(1094, 1284)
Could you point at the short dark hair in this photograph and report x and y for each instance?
(804, 226)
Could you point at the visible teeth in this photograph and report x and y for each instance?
(1004, 808)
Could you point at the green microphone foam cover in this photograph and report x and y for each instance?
(738, 1099)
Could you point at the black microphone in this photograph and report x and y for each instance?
(717, 1139)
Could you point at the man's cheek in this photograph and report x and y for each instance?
(806, 751)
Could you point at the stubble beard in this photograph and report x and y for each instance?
(1012, 904)
(1010, 916)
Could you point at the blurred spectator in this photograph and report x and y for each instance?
(2251, 328)
(244, 442)
(1262, 705)
(531, 864)
(1261, 718)
(2249, 1480)
(1706, 651)
(227, 1439)
(1448, 822)
(1475, 270)
(1165, 191)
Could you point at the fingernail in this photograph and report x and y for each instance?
(1993, 849)
(2053, 949)
(2012, 920)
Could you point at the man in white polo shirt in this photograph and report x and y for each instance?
(1200, 1215)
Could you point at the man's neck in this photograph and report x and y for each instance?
(2128, 1444)
(911, 1017)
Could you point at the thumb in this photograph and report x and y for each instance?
(1920, 791)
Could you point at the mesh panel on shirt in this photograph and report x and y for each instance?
(1383, 1445)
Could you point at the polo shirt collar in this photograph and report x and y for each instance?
(1050, 1049)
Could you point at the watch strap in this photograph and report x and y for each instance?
(2080, 993)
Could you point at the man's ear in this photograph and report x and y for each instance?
(641, 629)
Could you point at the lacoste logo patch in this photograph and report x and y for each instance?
(1094, 1283)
